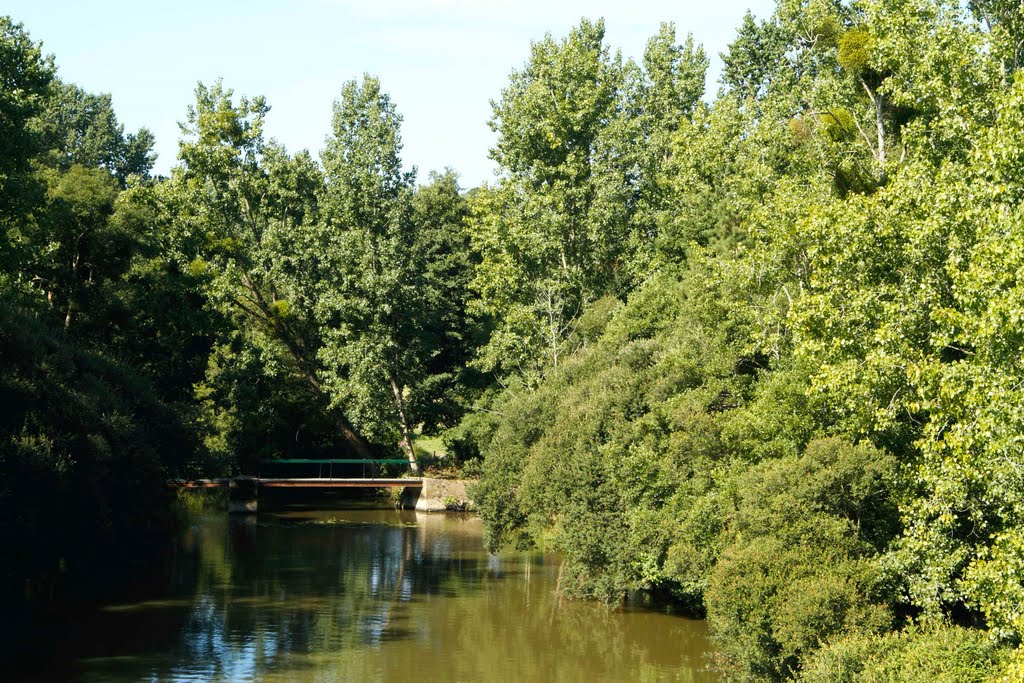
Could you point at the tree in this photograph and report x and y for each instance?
(1005, 21)
(79, 240)
(658, 100)
(754, 57)
(440, 215)
(25, 76)
(82, 128)
(371, 302)
(242, 208)
(552, 235)
(801, 564)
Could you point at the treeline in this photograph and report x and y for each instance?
(761, 352)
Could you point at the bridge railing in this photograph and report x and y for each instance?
(373, 464)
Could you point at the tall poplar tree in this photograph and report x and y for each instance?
(548, 246)
(374, 349)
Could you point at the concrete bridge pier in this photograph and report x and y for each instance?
(243, 495)
(436, 495)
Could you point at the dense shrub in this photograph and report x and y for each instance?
(801, 566)
(944, 654)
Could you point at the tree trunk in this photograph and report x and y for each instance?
(354, 439)
(348, 432)
(410, 452)
(878, 104)
(880, 130)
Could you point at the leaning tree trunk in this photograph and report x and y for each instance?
(353, 438)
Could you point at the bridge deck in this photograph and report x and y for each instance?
(313, 483)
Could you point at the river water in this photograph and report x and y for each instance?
(371, 595)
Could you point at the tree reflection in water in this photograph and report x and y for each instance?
(353, 595)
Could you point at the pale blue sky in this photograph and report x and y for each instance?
(441, 60)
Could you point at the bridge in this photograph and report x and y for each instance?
(243, 491)
(296, 482)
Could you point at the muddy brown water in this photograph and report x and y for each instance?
(371, 595)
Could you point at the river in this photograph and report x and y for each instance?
(368, 595)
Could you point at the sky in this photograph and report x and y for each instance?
(441, 61)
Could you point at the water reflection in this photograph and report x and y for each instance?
(359, 595)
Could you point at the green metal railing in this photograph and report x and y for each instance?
(331, 462)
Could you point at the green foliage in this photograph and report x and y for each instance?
(761, 354)
(838, 124)
(452, 335)
(344, 289)
(946, 654)
(245, 217)
(82, 128)
(800, 566)
(582, 197)
(616, 429)
(26, 74)
(855, 48)
(370, 292)
(546, 243)
(834, 256)
(101, 341)
(754, 57)
(395, 269)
